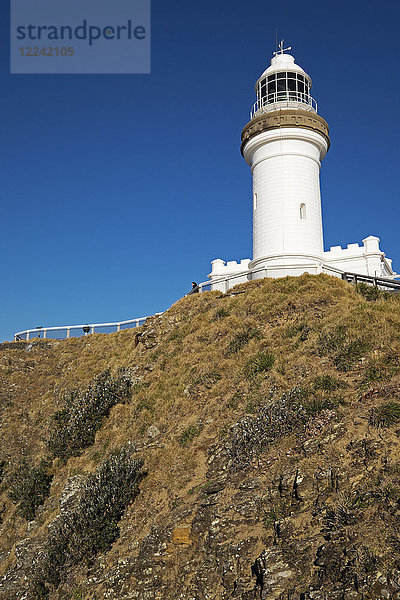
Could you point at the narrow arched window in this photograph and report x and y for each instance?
(255, 201)
(303, 212)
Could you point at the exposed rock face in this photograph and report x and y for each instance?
(71, 494)
(272, 457)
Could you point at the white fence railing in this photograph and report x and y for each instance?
(67, 331)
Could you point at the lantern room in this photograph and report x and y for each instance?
(283, 85)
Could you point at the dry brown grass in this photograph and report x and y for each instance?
(190, 378)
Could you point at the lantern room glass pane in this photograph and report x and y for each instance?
(281, 85)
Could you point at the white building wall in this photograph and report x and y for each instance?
(367, 259)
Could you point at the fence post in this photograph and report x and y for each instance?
(68, 332)
(27, 336)
(44, 333)
(92, 329)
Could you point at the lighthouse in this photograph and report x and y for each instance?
(284, 143)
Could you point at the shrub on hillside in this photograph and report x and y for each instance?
(189, 433)
(341, 515)
(385, 415)
(370, 292)
(317, 404)
(298, 329)
(327, 383)
(75, 426)
(242, 338)
(29, 487)
(273, 419)
(202, 379)
(219, 314)
(92, 527)
(259, 364)
(345, 349)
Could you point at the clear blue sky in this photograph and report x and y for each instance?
(118, 190)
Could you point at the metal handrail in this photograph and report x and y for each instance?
(27, 333)
(372, 280)
(265, 103)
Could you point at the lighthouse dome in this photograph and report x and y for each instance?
(283, 85)
(283, 62)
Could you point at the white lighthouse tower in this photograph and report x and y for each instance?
(284, 143)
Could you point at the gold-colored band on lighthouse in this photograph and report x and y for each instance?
(285, 118)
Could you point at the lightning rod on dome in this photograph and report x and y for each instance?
(282, 50)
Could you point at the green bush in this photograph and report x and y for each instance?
(219, 314)
(206, 379)
(271, 516)
(344, 349)
(242, 338)
(341, 515)
(385, 415)
(76, 425)
(327, 383)
(92, 527)
(29, 487)
(370, 292)
(374, 372)
(234, 401)
(315, 405)
(350, 354)
(300, 329)
(259, 364)
(188, 434)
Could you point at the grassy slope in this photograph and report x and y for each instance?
(194, 387)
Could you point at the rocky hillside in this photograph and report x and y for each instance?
(244, 445)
